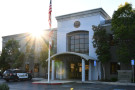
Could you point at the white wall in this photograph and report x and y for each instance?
(67, 25)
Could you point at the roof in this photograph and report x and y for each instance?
(27, 33)
(84, 56)
(97, 10)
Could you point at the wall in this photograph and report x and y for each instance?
(67, 25)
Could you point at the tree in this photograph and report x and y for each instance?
(19, 60)
(44, 55)
(101, 43)
(3, 61)
(123, 27)
(11, 54)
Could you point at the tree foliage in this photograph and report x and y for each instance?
(44, 55)
(3, 61)
(123, 26)
(100, 42)
(11, 56)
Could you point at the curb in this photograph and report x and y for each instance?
(111, 83)
(42, 82)
(48, 83)
(52, 83)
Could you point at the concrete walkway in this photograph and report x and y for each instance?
(52, 82)
(43, 81)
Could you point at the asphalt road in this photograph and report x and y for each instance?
(27, 85)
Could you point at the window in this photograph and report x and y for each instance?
(114, 67)
(27, 67)
(36, 67)
(78, 42)
(72, 66)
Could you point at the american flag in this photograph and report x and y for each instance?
(50, 11)
(49, 20)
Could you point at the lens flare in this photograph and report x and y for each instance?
(37, 34)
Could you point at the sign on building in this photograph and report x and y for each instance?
(132, 62)
(95, 63)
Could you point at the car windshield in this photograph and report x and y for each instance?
(8, 71)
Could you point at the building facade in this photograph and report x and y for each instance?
(74, 56)
(74, 41)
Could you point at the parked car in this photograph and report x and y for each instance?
(16, 74)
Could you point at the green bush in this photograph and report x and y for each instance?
(114, 79)
(4, 86)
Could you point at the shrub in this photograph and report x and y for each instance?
(114, 79)
(4, 86)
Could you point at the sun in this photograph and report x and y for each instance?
(37, 38)
(37, 34)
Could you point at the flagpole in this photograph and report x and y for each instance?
(49, 63)
(50, 10)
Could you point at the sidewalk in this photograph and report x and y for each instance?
(109, 83)
(52, 82)
(43, 81)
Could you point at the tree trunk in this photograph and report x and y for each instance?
(103, 71)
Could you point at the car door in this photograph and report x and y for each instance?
(21, 74)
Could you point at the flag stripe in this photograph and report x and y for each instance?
(50, 11)
(50, 22)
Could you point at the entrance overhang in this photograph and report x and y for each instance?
(83, 56)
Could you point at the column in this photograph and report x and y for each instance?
(83, 70)
(90, 69)
(65, 70)
(53, 70)
(61, 70)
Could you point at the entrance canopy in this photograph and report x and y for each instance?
(84, 56)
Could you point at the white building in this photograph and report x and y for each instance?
(76, 57)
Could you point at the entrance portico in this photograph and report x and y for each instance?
(71, 65)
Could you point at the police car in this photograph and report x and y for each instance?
(16, 74)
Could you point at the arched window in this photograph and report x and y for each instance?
(78, 41)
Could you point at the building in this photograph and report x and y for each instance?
(74, 56)
(32, 47)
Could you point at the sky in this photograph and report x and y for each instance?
(20, 16)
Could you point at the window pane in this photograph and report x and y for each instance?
(86, 50)
(77, 46)
(72, 41)
(86, 40)
(82, 50)
(86, 36)
(82, 36)
(72, 46)
(72, 37)
(81, 45)
(72, 50)
(76, 50)
(81, 40)
(86, 46)
(77, 41)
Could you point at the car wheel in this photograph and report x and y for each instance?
(16, 79)
(29, 78)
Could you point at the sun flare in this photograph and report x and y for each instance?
(37, 34)
(38, 39)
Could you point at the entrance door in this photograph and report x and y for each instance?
(75, 71)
